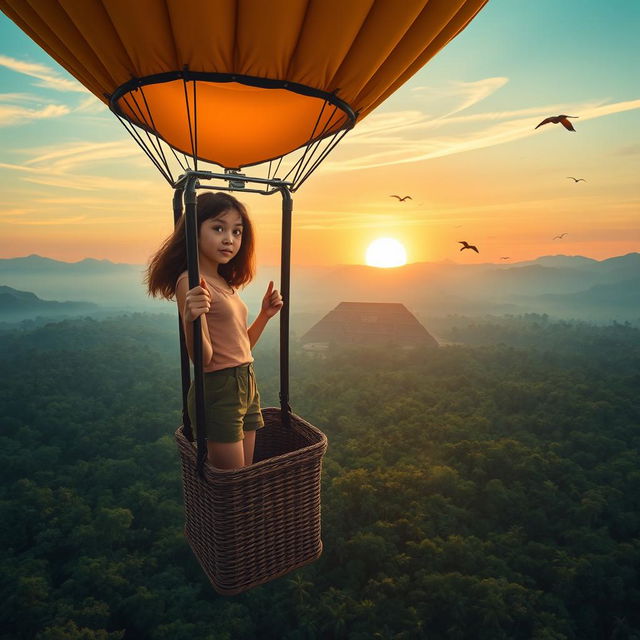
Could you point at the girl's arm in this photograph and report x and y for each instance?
(194, 303)
(271, 304)
(257, 327)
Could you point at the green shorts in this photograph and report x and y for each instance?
(231, 401)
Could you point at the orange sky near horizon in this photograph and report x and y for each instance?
(429, 226)
(508, 201)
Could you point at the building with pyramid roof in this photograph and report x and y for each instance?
(368, 323)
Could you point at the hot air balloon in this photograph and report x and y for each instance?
(209, 88)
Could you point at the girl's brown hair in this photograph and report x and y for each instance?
(171, 259)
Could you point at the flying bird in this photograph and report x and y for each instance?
(576, 179)
(503, 257)
(467, 246)
(562, 119)
(562, 235)
(401, 199)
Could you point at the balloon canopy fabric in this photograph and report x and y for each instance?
(240, 82)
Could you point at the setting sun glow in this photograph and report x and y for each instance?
(386, 252)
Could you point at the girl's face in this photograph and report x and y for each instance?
(220, 237)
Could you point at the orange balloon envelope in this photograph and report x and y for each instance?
(240, 82)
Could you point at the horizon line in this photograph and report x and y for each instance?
(343, 264)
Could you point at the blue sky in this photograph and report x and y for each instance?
(459, 136)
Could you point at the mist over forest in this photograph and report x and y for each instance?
(485, 489)
(563, 287)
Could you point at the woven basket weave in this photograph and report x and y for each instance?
(248, 526)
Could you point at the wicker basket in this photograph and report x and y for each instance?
(248, 526)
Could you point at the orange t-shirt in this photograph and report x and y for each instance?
(227, 324)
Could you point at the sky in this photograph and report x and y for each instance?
(459, 137)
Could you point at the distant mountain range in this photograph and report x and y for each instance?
(102, 282)
(562, 286)
(16, 304)
(609, 298)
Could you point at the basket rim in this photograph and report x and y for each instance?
(214, 472)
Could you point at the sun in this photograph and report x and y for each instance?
(386, 252)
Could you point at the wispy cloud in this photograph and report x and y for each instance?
(47, 77)
(13, 114)
(47, 222)
(68, 166)
(18, 108)
(18, 97)
(149, 201)
(89, 183)
(74, 212)
(91, 104)
(65, 158)
(465, 93)
(629, 150)
(413, 135)
(16, 167)
(71, 220)
(10, 213)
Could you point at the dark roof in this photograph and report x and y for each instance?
(371, 323)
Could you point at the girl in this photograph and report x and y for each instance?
(226, 261)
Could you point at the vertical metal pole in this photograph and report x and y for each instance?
(285, 278)
(185, 365)
(194, 280)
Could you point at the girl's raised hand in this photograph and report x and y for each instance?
(197, 302)
(272, 301)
